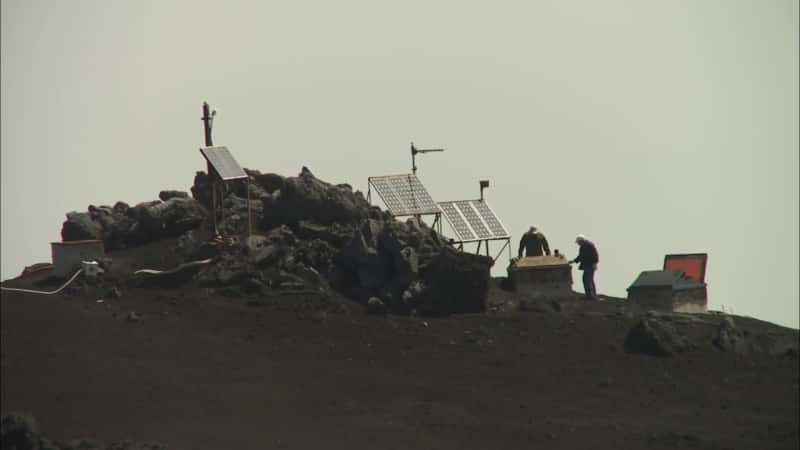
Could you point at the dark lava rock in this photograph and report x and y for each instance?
(654, 337)
(729, 338)
(193, 249)
(457, 282)
(170, 218)
(201, 188)
(269, 182)
(376, 306)
(307, 198)
(19, 431)
(79, 227)
(166, 195)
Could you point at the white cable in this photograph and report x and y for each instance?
(45, 292)
(171, 271)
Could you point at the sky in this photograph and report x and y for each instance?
(651, 127)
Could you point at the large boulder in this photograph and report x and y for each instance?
(79, 227)
(170, 218)
(307, 198)
(730, 338)
(337, 235)
(362, 256)
(655, 337)
(456, 282)
(201, 188)
(237, 217)
(168, 194)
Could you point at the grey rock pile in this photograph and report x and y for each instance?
(308, 236)
(122, 226)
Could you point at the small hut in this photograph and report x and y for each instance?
(669, 290)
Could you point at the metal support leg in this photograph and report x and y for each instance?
(507, 244)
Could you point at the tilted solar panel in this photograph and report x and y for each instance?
(404, 195)
(492, 221)
(222, 161)
(473, 220)
(457, 222)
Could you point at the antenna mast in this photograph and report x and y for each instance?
(415, 150)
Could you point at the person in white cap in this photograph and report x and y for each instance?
(587, 259)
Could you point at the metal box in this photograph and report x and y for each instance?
(67, 256)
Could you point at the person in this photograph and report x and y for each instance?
(587, 259)
(534, 243)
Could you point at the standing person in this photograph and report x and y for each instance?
(588, 259)
(534, 243)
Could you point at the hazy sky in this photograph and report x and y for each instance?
(652, 127)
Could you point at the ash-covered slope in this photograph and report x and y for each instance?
(308, 235)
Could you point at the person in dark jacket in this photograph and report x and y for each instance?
(587, 259)
(534, 243)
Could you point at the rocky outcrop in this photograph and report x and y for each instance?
(80, 226)
(307, 235)
(656, 338)
(122, 226)
(456, 282)
(307, 198)
(166, 195)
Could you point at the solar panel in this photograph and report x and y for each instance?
(457, 222)
(222, 161)
(473, 220)
(404, 195)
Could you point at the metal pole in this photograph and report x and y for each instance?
(207, 124)
(413, 159)
(209, 170)
(249, 210)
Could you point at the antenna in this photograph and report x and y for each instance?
(208, 121)
(415, 150)
(484, 184)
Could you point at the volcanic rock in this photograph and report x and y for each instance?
(729, 338)
(307, 198)
(79, 227)
(166, 195)
(457, 282)
(655, 337)
(376, 306)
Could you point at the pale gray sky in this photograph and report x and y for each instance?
(652, 127)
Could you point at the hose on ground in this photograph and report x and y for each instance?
(30, 291)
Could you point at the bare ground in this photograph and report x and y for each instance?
(202, 371)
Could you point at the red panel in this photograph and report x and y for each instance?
(694, 264)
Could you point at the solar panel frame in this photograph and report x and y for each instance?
(473, 220)
(404, 195)
(223, 163)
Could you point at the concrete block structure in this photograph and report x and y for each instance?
(542, 277)
(668, 290)
(67, 256)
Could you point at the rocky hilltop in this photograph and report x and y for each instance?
(334, 325)
(308, 235)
